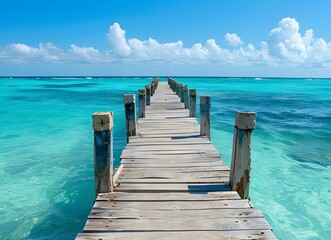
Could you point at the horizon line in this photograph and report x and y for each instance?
(152, 76)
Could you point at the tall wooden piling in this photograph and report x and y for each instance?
(142, 102)
(193, 102)
(148, 94)
(241, 153)
(130, 115)
(103, 151)
(186, 97)
(205, 116)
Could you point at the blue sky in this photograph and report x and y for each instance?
(139, 37)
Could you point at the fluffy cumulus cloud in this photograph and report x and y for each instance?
(284, 45)
(289, 45)
(233, 39)
(117, 41)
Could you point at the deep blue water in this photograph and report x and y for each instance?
(46, 151)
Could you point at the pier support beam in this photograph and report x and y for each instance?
(193, 102)
(148, 94)
(186, 97)
(103, 151)
(205, 116)
(130, 115)
(241, 153)
(142, 102)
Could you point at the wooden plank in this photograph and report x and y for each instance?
(159, 173)
(167, 197)
(173, 140)
(178, 146)
(212, 166)
(164, 154)
(182, 214)
(259, 234)
(179, 180)
(170, 161)
(176, 224)
(172, 205)
(129, 187)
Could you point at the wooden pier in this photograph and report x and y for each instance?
(172, 182)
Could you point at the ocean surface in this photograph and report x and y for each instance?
(46, 149)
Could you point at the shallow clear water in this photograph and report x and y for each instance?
(46, 151)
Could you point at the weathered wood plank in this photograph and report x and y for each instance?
(211, 165)
(122, 196)
(259, 234)
(214, 224)
(181, 214)
(173, 205)
(129, 187)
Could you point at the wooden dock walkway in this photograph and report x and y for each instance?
(172, 184)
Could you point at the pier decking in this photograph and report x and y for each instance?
(172, 184)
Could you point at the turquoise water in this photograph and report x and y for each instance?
(46, 154)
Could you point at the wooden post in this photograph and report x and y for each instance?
(152, 89)
(177, 89)
(148, 94)
(193, 102)
(142, 102)
(130, 115)
(241, 153)
(156, 80)
(186, 97)
(205, 116)
(181, 92)
(103, 151)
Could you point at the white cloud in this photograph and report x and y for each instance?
(233, 39)
(87, 53)
(117, 41)
(285, 46)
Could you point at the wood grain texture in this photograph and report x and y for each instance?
(103, 161)
(241, 153)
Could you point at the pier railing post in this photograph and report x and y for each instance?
(193, 102)
(148, 94)
(186, 97)
(181, 92)
(241, 153)
(130, 115)
(152, 88)
(142, 102)
(205, 116)
(103, 151)
(156, 81)
(177, 88)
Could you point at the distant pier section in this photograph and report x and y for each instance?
(172, 182)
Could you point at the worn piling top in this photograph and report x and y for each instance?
(172, 184)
